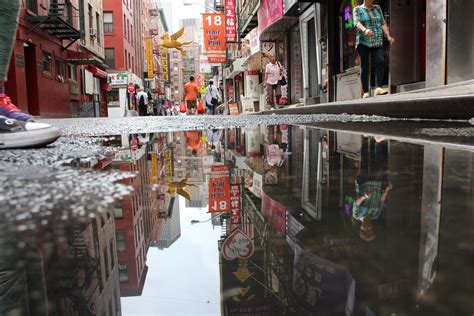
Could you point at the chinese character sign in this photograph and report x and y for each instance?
(230, 21)
(235, 204)
(164, 64)
(219, 191)
(149, 56)
(214, 37)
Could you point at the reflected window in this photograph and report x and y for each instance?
(118, 211)
(121, 244)
(123, 272)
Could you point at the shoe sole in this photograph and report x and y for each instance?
(29, 139)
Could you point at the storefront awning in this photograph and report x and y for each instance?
(237, 67)
(99, 73)
(277, 28)
(253, 62)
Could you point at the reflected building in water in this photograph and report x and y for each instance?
(357, 224)
(171, 230)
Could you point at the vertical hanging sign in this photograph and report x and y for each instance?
(154, 168)
(149, 57)
(219, 191)
(235, 204)
(230, 21)
(164, 64)
(214, 37)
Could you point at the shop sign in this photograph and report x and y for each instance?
(247, 104)
(235, 204)
(164, 64)
(254, 41)
(204, 66)
(230, 21)
(214, 37)
(251, 85)
(169, 164)
(219, 189)
(237, 245)
(242, 281)
(257, 186)
(154, 168)
(149, 57)
(269, 12)
(274, 213)
(118, 79)
(233, 108)
(319, 283)
(268, 49)
(257, 309)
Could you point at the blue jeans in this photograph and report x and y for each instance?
(9, 14)
(368, 55)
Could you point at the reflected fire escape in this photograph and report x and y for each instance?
(82, 275)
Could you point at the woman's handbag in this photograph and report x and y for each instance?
(182, 107)
(283, 81)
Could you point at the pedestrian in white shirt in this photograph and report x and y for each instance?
(211, 97)
(272, 82)
(142, 102)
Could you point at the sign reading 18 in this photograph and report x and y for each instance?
(219, 207)
(214, 20)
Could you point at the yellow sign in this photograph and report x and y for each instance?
(154, 168)
(169, 164)
(164, 65)
(149, 57)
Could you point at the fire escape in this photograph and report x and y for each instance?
(58, 22)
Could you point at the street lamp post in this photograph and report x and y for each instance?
(186, 3)
(195, 221)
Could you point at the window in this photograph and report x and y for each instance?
(131, 35)
(118, 211)
(72, 72)
(112, 254)
(125, 28)
(110, 57)
(97, 23)
(47, 62)
(126, 55)
(108, 22)
(121, 244)
(91, 17)
(106, 264)
(175, 54)
(129, 61)
(60, 68)
(123, 272)
(32, 5)
(128, 31)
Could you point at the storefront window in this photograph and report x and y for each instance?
(347, 35)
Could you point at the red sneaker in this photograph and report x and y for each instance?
(8, 109)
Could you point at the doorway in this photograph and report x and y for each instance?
(31, 79)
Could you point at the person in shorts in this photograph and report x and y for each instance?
(191, 95)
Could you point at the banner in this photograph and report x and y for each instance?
(274, 213)
(214, 37)
(164, 65)
(235, 204)
(219, 191)
(169, 164)
(149, 57)
(230, 21)
(154, 168)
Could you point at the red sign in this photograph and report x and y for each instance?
(134, 144)
(235, 204)
(214, 37)
(219, 193)
(131, 87)
(237, 245)
(274, 213)
(230, 21)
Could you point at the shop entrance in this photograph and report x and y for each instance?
(407, 20)
(31, 79)
(313, 54)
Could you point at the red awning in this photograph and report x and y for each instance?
(98, 72)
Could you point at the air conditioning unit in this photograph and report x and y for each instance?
(92, 32)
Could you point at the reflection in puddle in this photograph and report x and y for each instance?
(267, 220)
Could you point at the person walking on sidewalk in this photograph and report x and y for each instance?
(371, 28)
(211, 97)
(142, 102)
(17, 129)
(191, 94)
(273, 74)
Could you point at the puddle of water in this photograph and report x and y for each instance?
(264, 220)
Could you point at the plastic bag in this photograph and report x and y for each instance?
(182, 107)
(200, 108)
